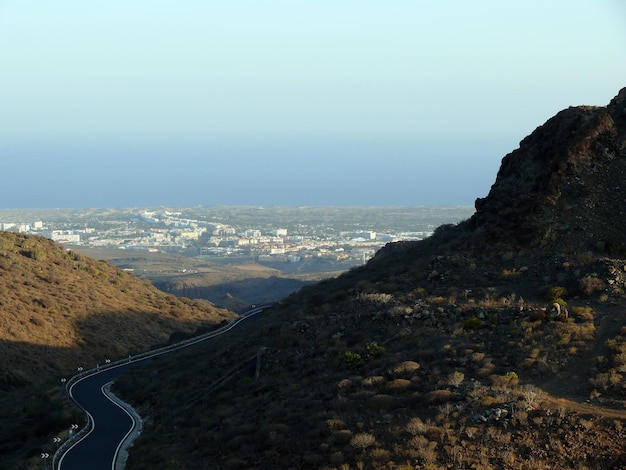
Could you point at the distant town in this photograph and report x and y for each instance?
(265, 234)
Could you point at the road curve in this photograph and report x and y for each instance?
(111, 423)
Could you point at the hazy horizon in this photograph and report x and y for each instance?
(131, 104)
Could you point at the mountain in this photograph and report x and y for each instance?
(499, 342)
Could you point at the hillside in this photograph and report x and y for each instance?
(60, 310)
(499, 342)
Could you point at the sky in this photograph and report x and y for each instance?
(147, 103)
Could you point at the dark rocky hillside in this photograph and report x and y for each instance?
(499, 342)
(557, 202)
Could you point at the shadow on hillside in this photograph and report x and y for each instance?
(93, 339)
(247, 291)
(117, 334)
(32, 373)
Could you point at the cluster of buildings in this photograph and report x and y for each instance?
(169, 232)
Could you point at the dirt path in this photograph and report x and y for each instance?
(570, 386)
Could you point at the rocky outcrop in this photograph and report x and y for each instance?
(564, 183)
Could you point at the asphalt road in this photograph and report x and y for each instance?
(98, 450)
(111, 423)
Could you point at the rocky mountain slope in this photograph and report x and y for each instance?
(499, 342)
(564, 183)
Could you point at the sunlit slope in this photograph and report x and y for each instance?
(60, 310)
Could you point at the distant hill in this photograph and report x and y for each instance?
(499, 342)
(60, 310)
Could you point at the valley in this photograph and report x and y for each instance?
(497, 342)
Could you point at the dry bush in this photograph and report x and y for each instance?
(346, 384)
(591, 284)
(439, 397)
(531, 395)
(600, 381)
(335, 423)
(404, 369)
(399, 311)
(398, 384)
(455, 379)
(487, 369)
(380, 454)
(362, 440)
(418, 442)
(416, 426)
(428, 453)
(477, 356)
(583, 314)
(337, 457)
(373, 381)
(378, 298)
(506, 381)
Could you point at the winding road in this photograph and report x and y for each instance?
(110, 422)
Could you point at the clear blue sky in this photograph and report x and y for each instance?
(124, 103)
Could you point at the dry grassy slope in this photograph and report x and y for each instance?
(440, 353)
(59, 309)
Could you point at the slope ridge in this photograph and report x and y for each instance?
(499, 342)
(59, 309)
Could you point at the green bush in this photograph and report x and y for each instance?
(352, 359)
(472, 323)
(555, 294)
(374, 350)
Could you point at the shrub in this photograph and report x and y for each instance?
(403, 369)
(335, 423)
(555, 294)
(590, 284)
(531, 395)
(439, 397)
(362, 440)
(507, 380)
(456, 378)
(374, 350)
(584, 314)
(398, 384)
(38, 253)
(352, 359)
(472, 323)
(416, 426)
(374, 380)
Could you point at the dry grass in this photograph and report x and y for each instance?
(72, 305)
(435, 397)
